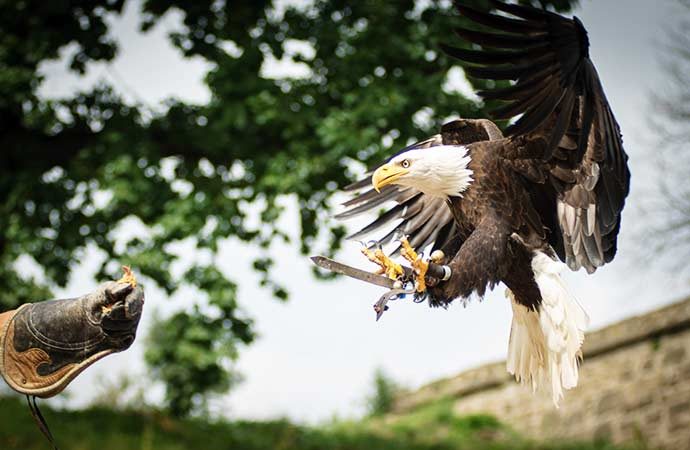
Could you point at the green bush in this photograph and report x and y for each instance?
(381, 399)
(432, 428)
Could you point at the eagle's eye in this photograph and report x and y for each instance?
(405, 163)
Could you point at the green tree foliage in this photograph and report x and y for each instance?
(76, 172)
(383, 393)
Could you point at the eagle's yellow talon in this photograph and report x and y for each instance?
(387, 266)
(418, 264)
(437, 257)
(407, 251)
(128, 277)
(420, 268)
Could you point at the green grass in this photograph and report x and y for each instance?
(433, 427)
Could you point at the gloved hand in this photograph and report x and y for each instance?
(45, 345)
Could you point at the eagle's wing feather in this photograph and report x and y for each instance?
(567, 136)
(424, 219)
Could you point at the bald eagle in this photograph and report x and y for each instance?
(514, 208)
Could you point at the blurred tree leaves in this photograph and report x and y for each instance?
(382, 397)
(78, 172)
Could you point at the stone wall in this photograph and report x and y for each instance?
(634, 385)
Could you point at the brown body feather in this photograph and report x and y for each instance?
(501, 229)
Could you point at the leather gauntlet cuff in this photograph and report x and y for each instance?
(44, 346)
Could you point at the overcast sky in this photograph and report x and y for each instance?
(316, 354)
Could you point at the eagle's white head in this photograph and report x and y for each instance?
(440, 171)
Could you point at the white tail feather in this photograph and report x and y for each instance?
(545, 345)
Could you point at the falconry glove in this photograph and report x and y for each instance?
(45, 345)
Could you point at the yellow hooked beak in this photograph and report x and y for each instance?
(387, 174)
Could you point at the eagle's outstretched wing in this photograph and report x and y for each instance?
(567, 141)
(424, 219)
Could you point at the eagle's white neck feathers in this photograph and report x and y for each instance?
(440, 171)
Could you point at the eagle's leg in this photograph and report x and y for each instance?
(387, 266)
(418, 264)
